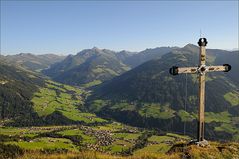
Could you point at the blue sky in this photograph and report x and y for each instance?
(66, 27)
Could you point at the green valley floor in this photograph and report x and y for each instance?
(112, 140)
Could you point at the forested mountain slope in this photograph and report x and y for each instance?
(93, 66)
(89, 67)
(149, 96)
(28, 99)
(16, 90)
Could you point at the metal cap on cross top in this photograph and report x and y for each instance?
(202, 42)
(201, 70)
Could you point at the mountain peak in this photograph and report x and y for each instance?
(95, 48)
(191, 47)
(25, 54)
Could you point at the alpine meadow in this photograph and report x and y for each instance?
(119, 80)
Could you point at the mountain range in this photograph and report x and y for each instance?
(89, 67)
(149, 96)
(32, 62)
(93, 66)
(131, 87)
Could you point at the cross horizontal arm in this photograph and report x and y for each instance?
(201, 69)
(224, 68)
(178, 70)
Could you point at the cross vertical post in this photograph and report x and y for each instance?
(201, 70)
(202, 62)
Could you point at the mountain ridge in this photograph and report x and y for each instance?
(31, 61)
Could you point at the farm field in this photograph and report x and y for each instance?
(65, 99)
(112, 140)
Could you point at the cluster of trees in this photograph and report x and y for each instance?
(10, 151)
(140, 143)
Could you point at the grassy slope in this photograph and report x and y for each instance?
(157, 145)
(69, 100)
(62, 98)
(45, 143)
(153, 95)
(123, 137)
(225, 121)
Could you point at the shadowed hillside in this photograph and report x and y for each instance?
(89, 67)
(149, 96)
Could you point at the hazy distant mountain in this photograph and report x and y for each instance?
(33, 62)
(149, 96)
(93, 66)
(90, 66)
(146, 55)
(124, 55)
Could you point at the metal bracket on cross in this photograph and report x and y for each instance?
(201, 70)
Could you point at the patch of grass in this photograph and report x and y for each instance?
(157, 111)
(122, 143)
(10, 130)
(98, 70)
(113, 127)
(117, 148)
(156, 148)
(70, 132)
(93, 83)
(86, 138)
(226, 128)
(126, 68)
(232, 98)
(217, 150)
(23, 132)
(185, 116)
(112, 72)
(52, 86)
(178, 136)
(97, 105)
(71, 88)
(160, 139)
(63, 98)
(126, 136)
(223, 117)
(124, 106)
(29, 131)
(45, 143)
(235, 120)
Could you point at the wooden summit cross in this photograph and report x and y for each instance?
(201, 70)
